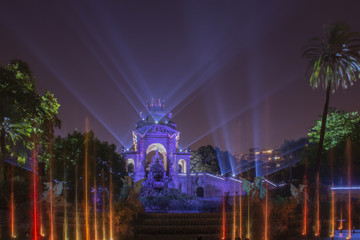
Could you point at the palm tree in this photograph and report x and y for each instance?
(334, 61)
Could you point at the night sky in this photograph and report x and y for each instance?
(231, 72)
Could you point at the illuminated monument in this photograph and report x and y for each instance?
(156, 139)
(156, 135)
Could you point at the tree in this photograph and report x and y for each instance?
(205, 160)
(69, 161)
(334, 61)
(27, 119)
(340, 127)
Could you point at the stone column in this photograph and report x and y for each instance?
(139, 171)
(188, 176)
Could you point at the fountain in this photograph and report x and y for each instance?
(77, 222)
(12, 206)
(35, 211)
(223, 228)
(87, 224)
(234, 216)
(348, 155)
(266, 211)
(305, 209)
(100, 224)
(248, 235)
(240, 216)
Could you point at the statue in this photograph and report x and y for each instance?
(257, 189)
(157, 171)
(127, 185)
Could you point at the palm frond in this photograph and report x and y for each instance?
(334, 59)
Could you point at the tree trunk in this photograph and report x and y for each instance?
(318, 161)
(322, 131)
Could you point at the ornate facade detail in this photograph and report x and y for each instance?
(156, 134)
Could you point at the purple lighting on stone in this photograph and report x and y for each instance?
(346, 188)
(236, 180)
(270, 182)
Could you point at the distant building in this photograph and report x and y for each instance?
(267, 160)
(257, 154)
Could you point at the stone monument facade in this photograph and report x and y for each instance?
(156, 137)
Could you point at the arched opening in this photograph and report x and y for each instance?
(182, 166)
(200, 192)
(130, 168)
(130, 165)
(156, 150)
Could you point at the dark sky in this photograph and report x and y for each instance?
(231, 72)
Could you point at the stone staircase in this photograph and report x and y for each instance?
(180, 226)
(59, 220)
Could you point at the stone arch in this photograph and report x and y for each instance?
(150, 152)
(182, 166)
(130, 165)
(200, 192)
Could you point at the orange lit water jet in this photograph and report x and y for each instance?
(240, 216)
(248, 219)
(77, 223)
(266, 211)
(223, 229)
(103, 205)
(51, 214)
(35, 214)
(341, 219)
(332, 228)
(65, 224)
(95, 203)
(234, 216)
(87, 227)
(332, 218)
(12, 206)
(95, 215)
(317, 212)
(305, 211)
(348, 153)
(110, 209)
(42, 231)
(12, 216)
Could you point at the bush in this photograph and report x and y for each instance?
(168, 199)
